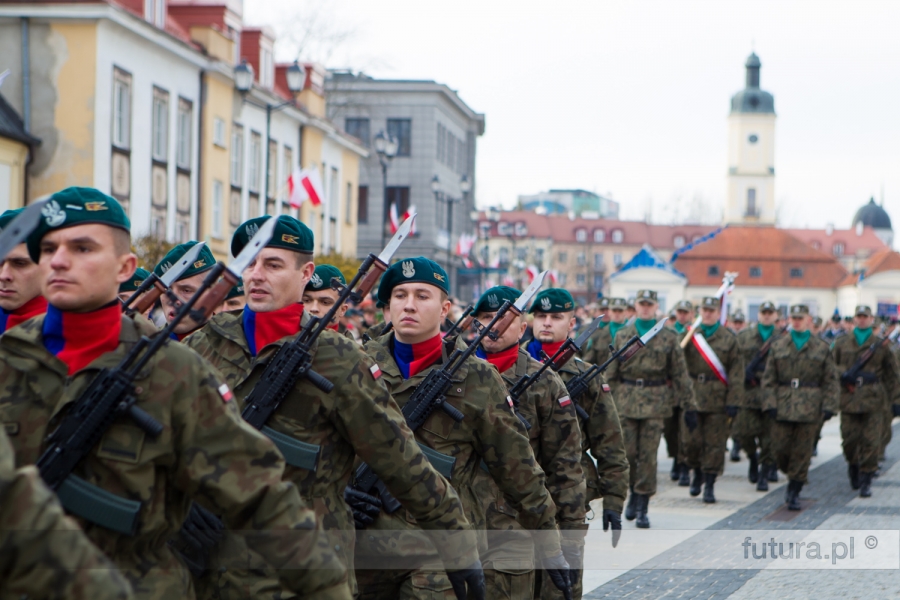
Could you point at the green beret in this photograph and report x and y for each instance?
(204, 262)
(491, 300)
(408, 270)
(8, 216)
(135, 281)
(554, 300)
(237, 291)
(289, 234)
(76, 206)
(321, 279)
(380, 305)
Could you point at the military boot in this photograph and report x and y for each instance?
(631, 509)
(794, 488)
(853, 472)
(708, 493)
(762, 482)
(735, 451)
(685, 479)
(696, 483)
(676, 470)
(865, 485)
(753, 473)
(773, 474)
(643, 504)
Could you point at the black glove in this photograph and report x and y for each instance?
(895, 410)
(558, 571)
(365, 508)
(847, 381)
(473, 577)
(572, 554)
(613, 519)
(691, 420)
(827, 414)
(772, 412)
(731, 411)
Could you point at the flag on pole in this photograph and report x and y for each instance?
(532, 271)
(305, 185)
(395, 220)
(410, 212)
(554, 277)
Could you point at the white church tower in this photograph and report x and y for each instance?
(751, 153)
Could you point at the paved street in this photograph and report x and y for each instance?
(694, 550)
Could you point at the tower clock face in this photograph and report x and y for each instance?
(753, 138)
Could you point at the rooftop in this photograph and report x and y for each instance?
(12, 126)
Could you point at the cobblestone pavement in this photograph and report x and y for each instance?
(828, 504)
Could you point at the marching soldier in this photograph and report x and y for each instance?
(234, 300)
(751, 425)
(714, 363)
(800, 387)
(127, 288)
(595, 343)
(20, 283)
(835, 330)
(867, 386)
(319, 433)
(684, 316)
(555, 437)
(186, 285)
(737, 321)
(601, 434)
(599, 342)
(319, 297)
(132, 491)
(645, 388)
(415, 292)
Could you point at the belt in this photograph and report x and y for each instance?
(704, 378)
(642, 383)
(796, 383)
(866, 379)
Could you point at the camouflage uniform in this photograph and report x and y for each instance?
(206, 452)
(672, 425)
(556, 441)
(646, 388)
(800, 385)
(596, 349)
(43, 553)
(490, 433)
(704, 448)
(357, 418)
(751, 424)
(862, 410)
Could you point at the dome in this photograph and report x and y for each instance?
(872, 215)
(752, 99)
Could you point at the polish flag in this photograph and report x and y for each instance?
(395, 220)
(532, 273)
(305, 185)
(553, 277)
(410, 212)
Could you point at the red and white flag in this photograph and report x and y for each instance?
(410, 212)
(532, 273)
(554, 277)
(395, 220)
(709, 356)
(305, 185)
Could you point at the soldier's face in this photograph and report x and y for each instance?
(645, 310)
(709, 315)
(800, 323)
(231, 304)
(320, 302)
(81, 268)
(417, 311)
(683, 316)
(510, 337)
(737, 325)
(767, 317)
(184, 290)
(863, 321)
(20, 279)
(617, 315)
(552, 327)
(273, 279)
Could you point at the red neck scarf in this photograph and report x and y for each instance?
(334, 327)
(550, 348)
(415, 358)
(264, 328)
(34, 307)
(78, 339)
(504, 359)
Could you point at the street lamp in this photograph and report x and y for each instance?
(386, 147)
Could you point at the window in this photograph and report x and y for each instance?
(504, 228)
(254, 158)
(358, 128)
(521, 229)
(539, 257)
(401, 130)
(272, 169)
(598, 261)
(217, 205)
(155, 12)
(838, 249)
(599, 236)
(713, 270)
(563, 278)
(219, 132)
(617, 236)
(398, 196)
(349, 206)
(183, 154)
(755, 272)
(234, 209)
(678, 242)
(265, 68)
(580, 235)
(562, 257)
(617, 260)
(237, 155)
(796, 273)
(288, 163)
(441, 140)
(521, 253)
(581, 259)
(160, 130)
(751, 202)
(598, 282)
(504, 255)
(362, 204)
(580, 280)
(121, 109)
(334, 194)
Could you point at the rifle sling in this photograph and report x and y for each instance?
(98, 506)
(296, 453)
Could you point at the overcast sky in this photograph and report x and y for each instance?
(630, 98)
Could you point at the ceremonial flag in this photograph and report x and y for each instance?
(532, 273)
(305, 185)
(395, 220)
(709, 356)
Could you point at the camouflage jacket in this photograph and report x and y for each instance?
(43, 553)
(357, 418)
(710, 393)
(750, 343)
(596, 349)
(205, 452)
(870, 396)
(490, 432)
(602, 436)
(661, 360)
(800, 384)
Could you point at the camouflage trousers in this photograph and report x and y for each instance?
(752, 433)
(428, 583)
(545, 590)
(862, 434)
(704, 448)
(671, 429)
(509, 584)
(592, 479)
(792, 445)
(641, 444)
(886, 429)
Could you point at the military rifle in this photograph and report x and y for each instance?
(147, 297)
(462, 323)
(754, 368)
(854, 377)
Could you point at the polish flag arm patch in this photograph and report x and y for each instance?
(605, 387)
(225, 393)
(509, 401)
(565, 401)
(375, 370)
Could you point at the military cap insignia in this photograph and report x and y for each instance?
(165, 266)
(545, 303)
(95, 206)
(251, 229)
(138, 282)
(53, 213)
(493, 301)
(199, 263)
(439, 277)
(408, 269)
(290, 239)
(316, 281)
(567, 305)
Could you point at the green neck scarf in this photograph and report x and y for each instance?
(800, 338)
(708, 330)
(679, 327)
(765, 331)
(861, 335)
(602, 325)
(614, 329)
(644, 325)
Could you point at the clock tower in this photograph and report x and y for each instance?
(751, 153)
